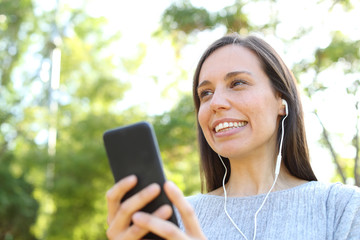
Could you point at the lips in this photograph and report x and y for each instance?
(228, 125)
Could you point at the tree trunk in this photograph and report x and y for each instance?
(357, 146)
(332, 150)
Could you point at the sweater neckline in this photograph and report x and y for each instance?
(304, 185)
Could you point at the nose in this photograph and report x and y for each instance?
(219, 101)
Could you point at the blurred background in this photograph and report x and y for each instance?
(71, 69)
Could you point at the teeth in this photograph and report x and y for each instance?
(229, 125)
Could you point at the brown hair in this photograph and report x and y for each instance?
(295, 153)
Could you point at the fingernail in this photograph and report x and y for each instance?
(130, 178)
(153, 187)
(171, 184)
(138, 216)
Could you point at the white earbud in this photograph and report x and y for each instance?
(278, 160)
(284, 102)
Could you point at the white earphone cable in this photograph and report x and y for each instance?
(225, 200)
(277, 171)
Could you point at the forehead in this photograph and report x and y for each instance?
(230, 58)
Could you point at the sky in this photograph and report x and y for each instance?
(138, 19)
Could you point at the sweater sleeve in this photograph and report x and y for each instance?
(347, 225)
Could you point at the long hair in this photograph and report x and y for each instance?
(295, 153)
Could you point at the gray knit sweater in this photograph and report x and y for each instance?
(310, 211)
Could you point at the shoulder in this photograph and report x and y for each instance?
(344, 196)
(336, 195)
(339, 193)
(344, 208)
(194, 200)
(335, 199)
(333, 191)
(205, 202)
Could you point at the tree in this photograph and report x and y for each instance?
(182, 21)
(341, 54)
(176, 132)
(18, 206)
(69, 182)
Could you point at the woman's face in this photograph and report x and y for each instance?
(239, 109)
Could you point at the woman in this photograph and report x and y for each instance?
(249, 114)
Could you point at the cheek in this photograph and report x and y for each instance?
(268, 115)
(263, 111)
(201, 117)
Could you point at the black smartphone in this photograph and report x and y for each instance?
(133, 149)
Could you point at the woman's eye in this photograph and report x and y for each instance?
(204, 93)
(237, 82)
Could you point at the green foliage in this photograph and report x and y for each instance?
(176, 132)
(346, 4)
(131, 65)
(18, 207)
(234, 19)
(341, 53)
(347, 167)
(81, 173)
(340, 48)
(182, 16)
(182, 21)
(69, 186)
(12, 44)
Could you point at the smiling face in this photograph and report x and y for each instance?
(239, 110)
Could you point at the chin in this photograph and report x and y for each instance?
(229, 151)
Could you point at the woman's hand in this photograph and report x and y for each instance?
(166, 229)
(119, 215)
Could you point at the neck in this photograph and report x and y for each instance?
(250, 177)
(255, 177)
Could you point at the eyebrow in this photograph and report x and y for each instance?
(227, 76)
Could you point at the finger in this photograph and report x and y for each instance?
(134, 204)
(137, 232)
(186, 211)
(163, 212)
(116, 193)
(160, 227)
